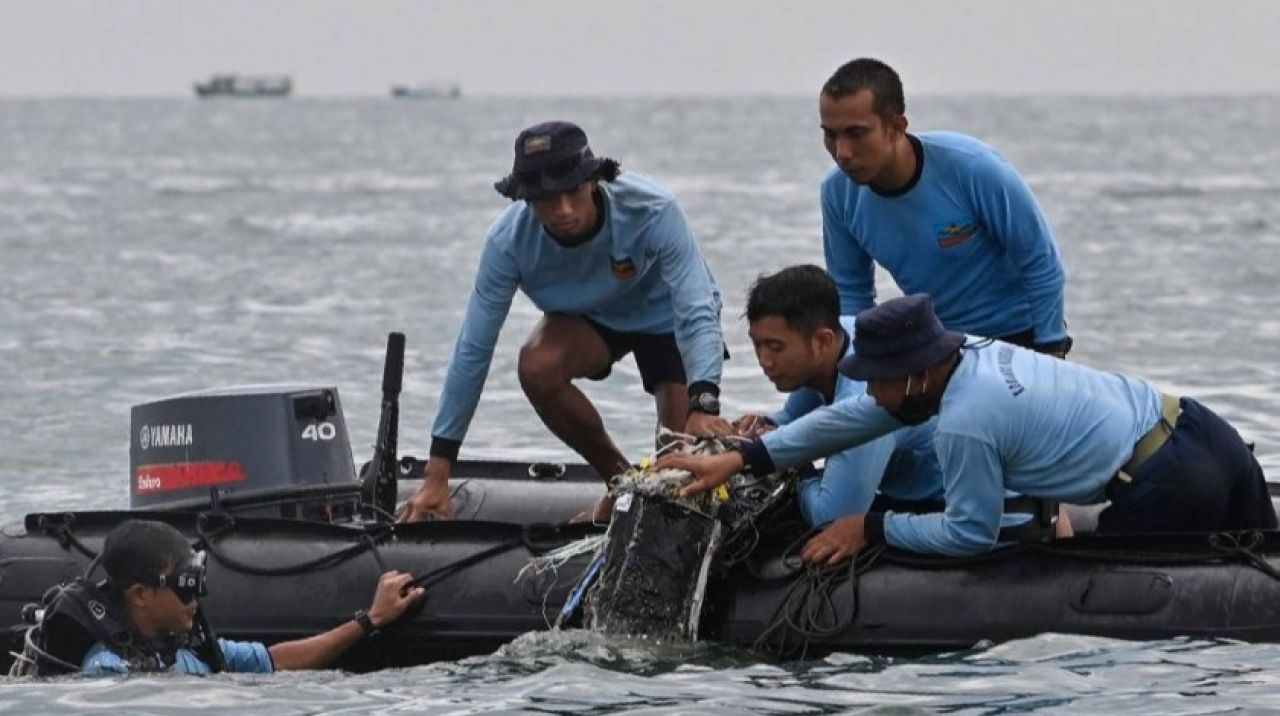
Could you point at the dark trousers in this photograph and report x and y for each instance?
(1027, 339)
(1203, 479)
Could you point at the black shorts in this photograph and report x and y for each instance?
(657, 355)
(1027, 339)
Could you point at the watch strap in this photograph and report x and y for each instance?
(708, 403)
(362, 618)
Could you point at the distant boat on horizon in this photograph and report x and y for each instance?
(427, 90)
(232, 85)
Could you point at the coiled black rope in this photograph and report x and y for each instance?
(808, 611)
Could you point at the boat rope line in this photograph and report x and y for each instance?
(739, 545)
(61, 530)
(1245, 545)
(369, 542)
(373, 549)
(807, 612)
(439, 573)
(389, 517)
(529, 535)
(59, 527)
(536, 538)
(790, 556)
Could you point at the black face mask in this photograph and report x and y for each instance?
(916, 409)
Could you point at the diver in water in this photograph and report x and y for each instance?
(146, 617)
(610, 261)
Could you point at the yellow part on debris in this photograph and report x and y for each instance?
(722, 493)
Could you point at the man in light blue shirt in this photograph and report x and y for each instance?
(1012, 419)
(152, 603)
(799, 339)
(610, 261)
(942, 212)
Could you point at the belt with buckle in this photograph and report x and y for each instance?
(1155, 438)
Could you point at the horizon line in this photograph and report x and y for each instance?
(643, 94)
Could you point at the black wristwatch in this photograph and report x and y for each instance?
(705, 402)
(362, 618)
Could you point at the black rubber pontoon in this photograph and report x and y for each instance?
(273, 579)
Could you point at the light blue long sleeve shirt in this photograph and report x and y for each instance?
(641, 272)
(845, 424)
(901, 464)
(241, 657)
(1013, 419)
(968, 232)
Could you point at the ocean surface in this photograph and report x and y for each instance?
(156, 246)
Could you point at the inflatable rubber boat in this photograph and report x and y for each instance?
(262, 480)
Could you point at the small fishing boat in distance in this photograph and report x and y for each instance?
(232, 85)
(427, 90)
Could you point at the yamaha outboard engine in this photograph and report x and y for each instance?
(275, 450)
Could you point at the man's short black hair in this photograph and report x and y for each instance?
(866, 73)
(804, 296)
(139, 551)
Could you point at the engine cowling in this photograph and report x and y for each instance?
(192, 450)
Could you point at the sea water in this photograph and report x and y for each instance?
(155, 246)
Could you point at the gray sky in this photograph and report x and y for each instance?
(334, 47)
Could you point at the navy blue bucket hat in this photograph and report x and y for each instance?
(898, 338)
(552, 157)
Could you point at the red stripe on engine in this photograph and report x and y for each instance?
(150, 479)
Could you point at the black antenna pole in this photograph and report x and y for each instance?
(380, 483)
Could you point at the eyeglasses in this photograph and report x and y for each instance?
(187, 582)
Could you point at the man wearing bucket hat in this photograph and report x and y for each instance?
(942, 212)
(609, 259)
(1009, 418)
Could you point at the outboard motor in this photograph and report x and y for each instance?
(266, 450)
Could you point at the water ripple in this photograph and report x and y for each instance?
(291, 237)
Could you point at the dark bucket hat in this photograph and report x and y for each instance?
(551, 157)
(898, 338)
